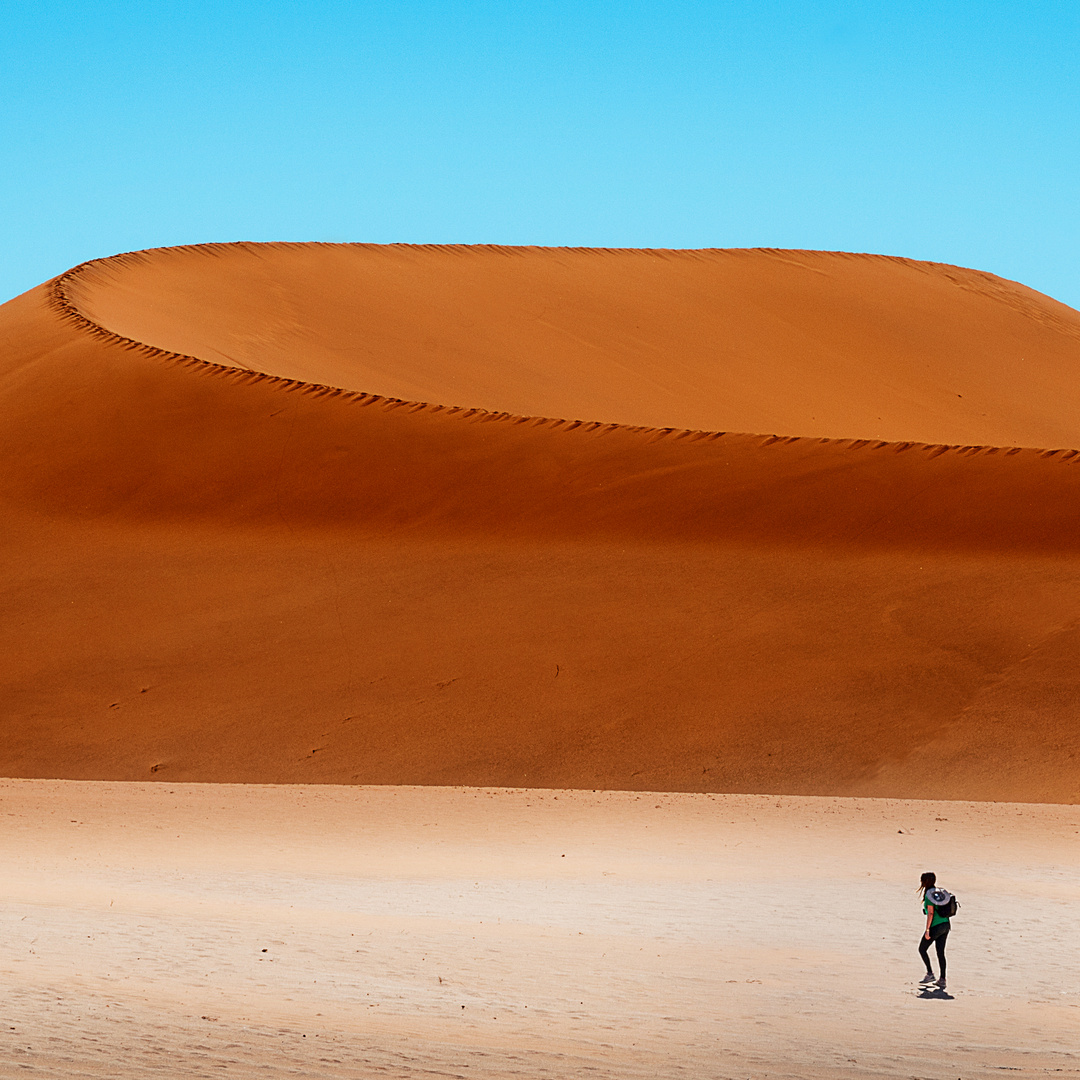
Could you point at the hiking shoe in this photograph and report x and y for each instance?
(927, 978)
(940, 984)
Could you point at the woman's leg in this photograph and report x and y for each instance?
(924, 952)
(939, 944)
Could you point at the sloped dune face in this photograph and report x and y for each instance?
(744, 521)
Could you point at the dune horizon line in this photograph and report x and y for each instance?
(69, 309)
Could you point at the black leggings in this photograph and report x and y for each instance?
(938, 934)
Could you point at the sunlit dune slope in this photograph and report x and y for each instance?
(738, 521)
(794, 342)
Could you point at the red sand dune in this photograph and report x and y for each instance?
(510, 516)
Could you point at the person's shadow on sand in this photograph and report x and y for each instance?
(934, 993)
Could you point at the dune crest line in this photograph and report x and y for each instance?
(69, 310)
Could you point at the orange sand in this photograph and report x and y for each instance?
(275, 513)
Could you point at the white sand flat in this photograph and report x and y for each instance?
(203, 930)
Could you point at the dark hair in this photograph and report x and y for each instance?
(927, 881)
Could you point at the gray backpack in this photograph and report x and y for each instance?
(944, 902)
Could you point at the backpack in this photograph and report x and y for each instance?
(948, 909)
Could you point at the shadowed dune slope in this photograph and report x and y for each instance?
(333, 513)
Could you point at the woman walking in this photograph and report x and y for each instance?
(937, 927)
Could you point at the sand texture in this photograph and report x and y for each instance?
(155, 930)
(744, 521)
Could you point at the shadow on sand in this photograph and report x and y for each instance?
(933, 993)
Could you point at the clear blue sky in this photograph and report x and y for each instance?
(946, 131)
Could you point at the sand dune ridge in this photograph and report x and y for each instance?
(1033, 306)
(69, 311)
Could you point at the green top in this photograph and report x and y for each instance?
(937, 919)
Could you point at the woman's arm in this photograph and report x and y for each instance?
(929, 919)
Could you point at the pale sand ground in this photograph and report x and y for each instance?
(199, 930)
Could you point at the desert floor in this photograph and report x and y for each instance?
(152, 929)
